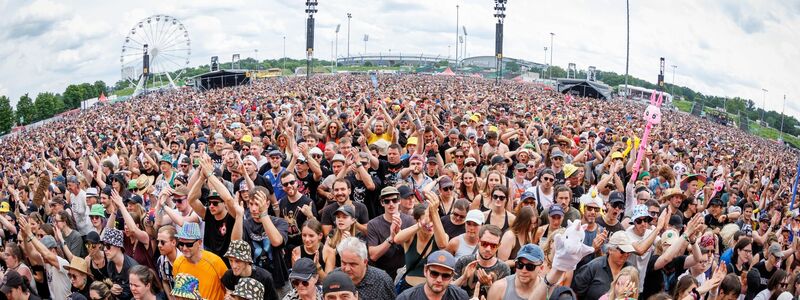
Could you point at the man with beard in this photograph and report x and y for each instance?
(595, 235)
(341, 193)
(438, 274)
(295, 208)
(383, 252)
(413, 174)
(167, 247)
(520, 285)
(241, 258)
(482, 268)
(388, 169)
(614, 208)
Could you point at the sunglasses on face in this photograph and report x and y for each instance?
(654, 214)
(445, 276)
(489, 245)
(214, 203)
(471, 164)
(548, 179)
(618, 205)
(288, 183)
(394, 200)
(186, 244)
(107, 246)
(73, 276)
(499, 197)
(162, 242)
(642, 220)
(297, 282)
(459, 216)
(529, 267)
(447, 189)
(95, 217)
(592, 208)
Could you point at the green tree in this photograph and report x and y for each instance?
(45, 105)
(100, 87)
(72, 96)
(7, 119)
(25, 110)
(512, 66)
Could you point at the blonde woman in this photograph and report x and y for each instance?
(624, 286)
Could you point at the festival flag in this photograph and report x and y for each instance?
(568, 98)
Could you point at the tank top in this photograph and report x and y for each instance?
(412, 255)
(505, 225)
(138, 252)
(511, 290)
(310, 256)
(463, 248)
(98, 274)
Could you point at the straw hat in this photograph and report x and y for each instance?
(80, 265)
(668, 193)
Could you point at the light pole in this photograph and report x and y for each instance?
(349, 16)
(257, 62)
(465, 41)
(672, 90)
(546, 65)
(311, 9)
(782, 111)
(366, 38)
(551, 55)
(456, 37)
(763, 102)
(284, 53)
(627, 43)
(336, 51)
(500, 14)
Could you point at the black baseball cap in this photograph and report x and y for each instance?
(616, 196)
(303, 269)
(337, 281)
(12, 280)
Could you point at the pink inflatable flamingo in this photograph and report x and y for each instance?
(653, 116)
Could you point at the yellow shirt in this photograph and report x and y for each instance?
(208, 271)
(386, 136)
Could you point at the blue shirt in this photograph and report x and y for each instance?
(275, 181)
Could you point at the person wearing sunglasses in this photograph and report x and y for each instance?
(381, 231)
(119, 264)
(615, 207)
(483, 267)
(498, 208)
(43, 254)
(528, 266)
(305, 281)
(206, 266)
(241, 259)
(642, 235)
(438, 270)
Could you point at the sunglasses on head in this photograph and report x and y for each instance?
(394, 200)
(445, 275)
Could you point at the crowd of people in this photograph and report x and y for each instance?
(421, 187)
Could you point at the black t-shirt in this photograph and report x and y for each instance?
(217, 233)
(308, 186)
(264, 254)
(290, 211)
(259, 274)
(216, 159)
(328, 214)
(654, 282)
(611, 228)
(451, 229)
(389, 173)
(714, 223)
(765, 275)
(360, 194)
(259, 181)
(577, 192)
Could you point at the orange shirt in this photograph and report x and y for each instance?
(208, 271)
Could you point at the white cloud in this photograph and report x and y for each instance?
(720, 48)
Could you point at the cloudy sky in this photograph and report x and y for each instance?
(726, 48)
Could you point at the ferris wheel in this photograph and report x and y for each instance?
(155, 53)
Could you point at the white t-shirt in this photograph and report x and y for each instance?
(640, 261)
(544, 199)
(58, 279)
(80, 212)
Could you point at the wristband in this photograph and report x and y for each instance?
(263, 215)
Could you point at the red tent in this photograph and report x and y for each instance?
(102, 98)
(447, 72)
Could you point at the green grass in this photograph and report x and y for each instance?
(772, 133)
(684, 106)
(124, 92)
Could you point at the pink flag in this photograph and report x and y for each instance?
(568, 98)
